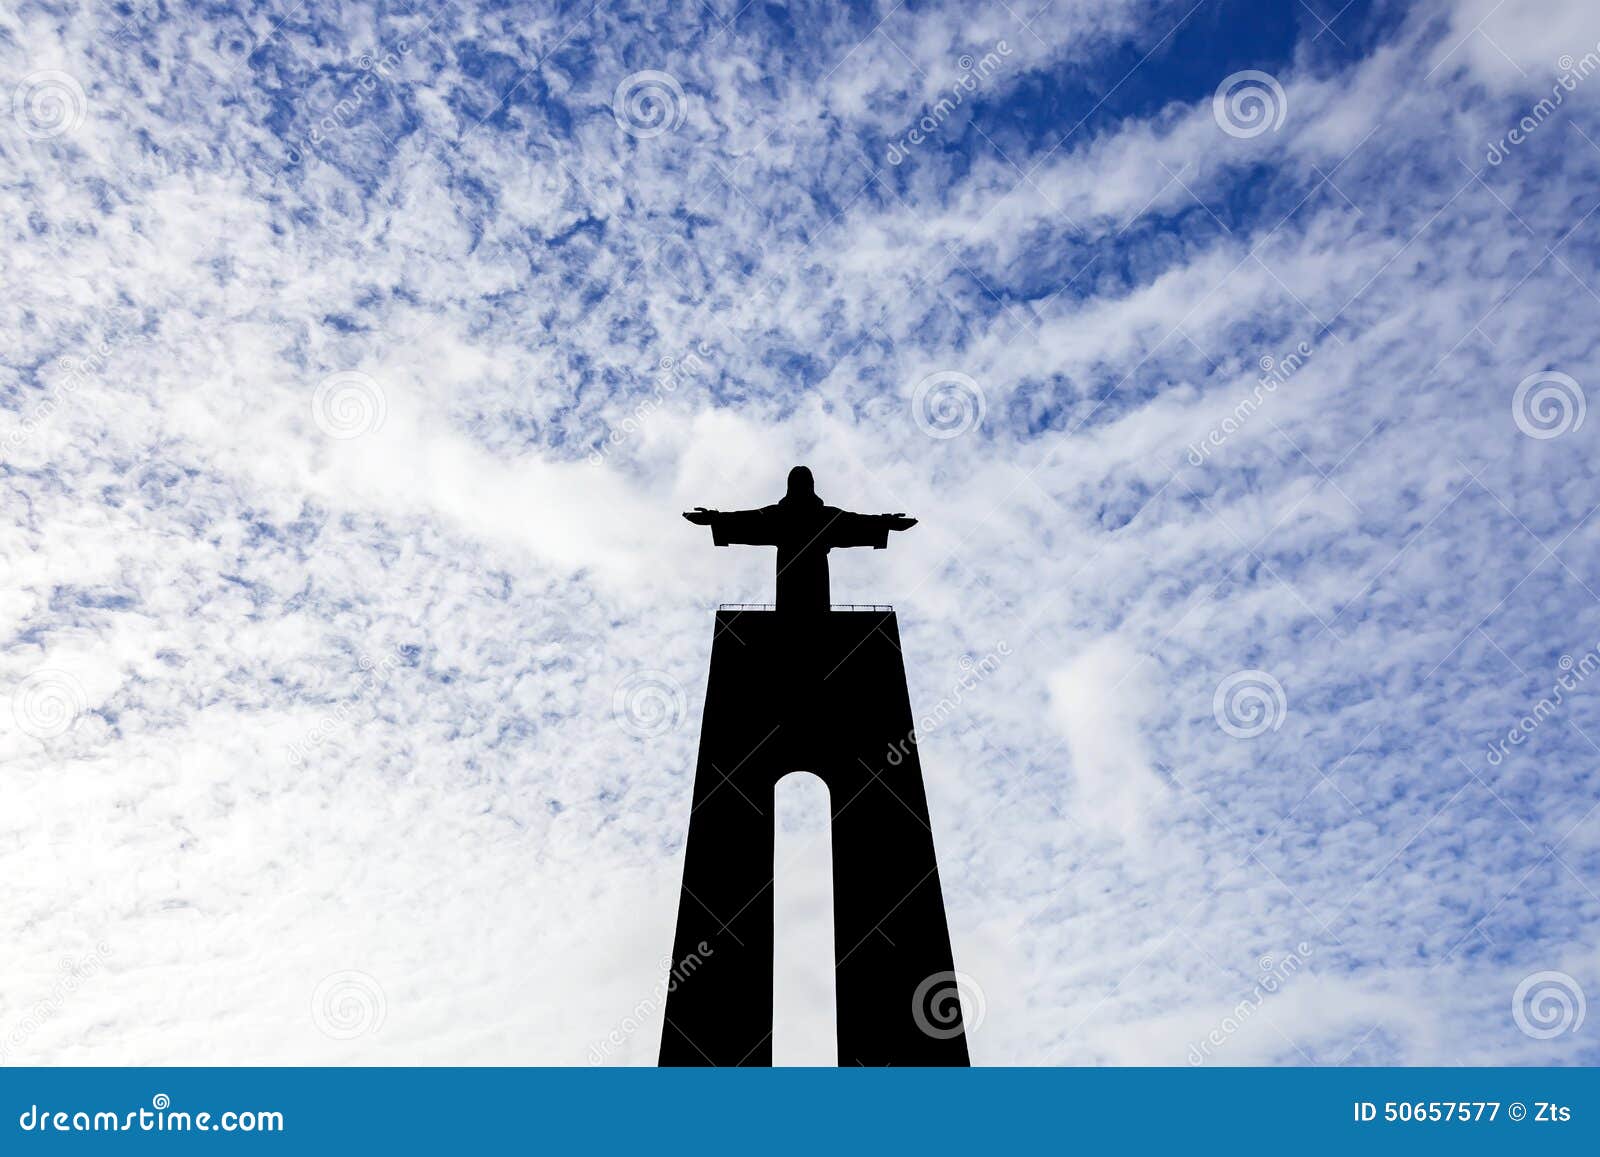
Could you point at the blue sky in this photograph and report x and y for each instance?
(1233, 356)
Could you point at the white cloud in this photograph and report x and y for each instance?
(1101, 700)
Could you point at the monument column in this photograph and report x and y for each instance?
(805, 688)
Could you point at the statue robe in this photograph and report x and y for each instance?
(804, 533)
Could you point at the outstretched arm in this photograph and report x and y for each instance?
(736, 527)
(872, 530)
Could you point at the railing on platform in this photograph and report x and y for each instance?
(832, 607)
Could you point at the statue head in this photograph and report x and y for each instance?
(802, 488)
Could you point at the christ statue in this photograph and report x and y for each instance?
(804, 531)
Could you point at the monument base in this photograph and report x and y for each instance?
(823, 692)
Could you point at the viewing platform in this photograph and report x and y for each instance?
(879, 607)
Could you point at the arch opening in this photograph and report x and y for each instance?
(804, 996)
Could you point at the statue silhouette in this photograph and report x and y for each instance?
(808, 688)
(804, 530)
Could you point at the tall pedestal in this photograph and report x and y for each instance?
(824, 693)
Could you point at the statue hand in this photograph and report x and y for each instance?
(700, 516)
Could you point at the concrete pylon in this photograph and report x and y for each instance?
(823, 692)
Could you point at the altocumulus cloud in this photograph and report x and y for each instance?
(326, 561)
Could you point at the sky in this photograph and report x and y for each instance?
(359, 360)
